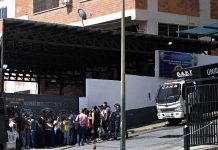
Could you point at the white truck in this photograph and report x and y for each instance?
(170, 99)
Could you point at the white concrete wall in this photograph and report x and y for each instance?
(137, 91)
(206, 59)
(10, 4)
(83, 103)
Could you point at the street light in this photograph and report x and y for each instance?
(123, 65)
(170, 43)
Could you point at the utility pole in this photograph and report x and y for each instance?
(123, 94)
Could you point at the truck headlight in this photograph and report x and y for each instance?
(158, 110)
(179, 108)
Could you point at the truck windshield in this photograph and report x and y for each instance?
(169, 93)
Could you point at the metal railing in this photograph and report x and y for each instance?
(202, 114)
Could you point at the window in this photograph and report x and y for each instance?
(41, 5)
(163, 29)
(171, 30)
(3, 12)
(181, 28)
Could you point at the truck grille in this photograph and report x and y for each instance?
(168, 110)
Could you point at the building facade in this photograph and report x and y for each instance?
(162, 17)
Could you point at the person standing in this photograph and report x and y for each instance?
(22, 130)
(41, 132)
(28, 132)
(95, 121)
(82, 120)
(106, 118)
(89, 126)
(48, 133)
(71, 127)
(57, 131)
(33, 128)
(117, 117)
(65, 130)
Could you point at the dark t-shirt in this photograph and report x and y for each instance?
(97, 117)
(117, 115)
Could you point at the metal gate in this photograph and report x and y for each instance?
(202, 112)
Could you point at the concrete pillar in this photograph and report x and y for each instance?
(204, 12)
(152, 23)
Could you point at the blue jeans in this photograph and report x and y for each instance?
(117, 128)
(66, 138)
(28, 137)
(33, 138)
(71, 135)
(23, 138)
(81, 134)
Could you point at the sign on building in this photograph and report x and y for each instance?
(166, 62)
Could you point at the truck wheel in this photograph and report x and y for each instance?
(174, 121)
(3, 146)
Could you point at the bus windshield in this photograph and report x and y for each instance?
(169, 93)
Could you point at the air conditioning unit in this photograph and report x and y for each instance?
(67, 2)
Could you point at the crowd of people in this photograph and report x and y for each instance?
(99, 123)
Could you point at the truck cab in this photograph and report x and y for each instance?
(170, 101)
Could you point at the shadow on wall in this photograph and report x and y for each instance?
(142, 116)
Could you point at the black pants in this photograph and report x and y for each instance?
(48, 138)
(95, 128)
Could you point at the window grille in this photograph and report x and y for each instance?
(42, 5)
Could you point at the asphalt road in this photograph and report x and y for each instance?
(166, 138)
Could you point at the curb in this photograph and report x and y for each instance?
(146, 128)
(204, 147)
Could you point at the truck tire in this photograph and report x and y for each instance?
(3, 146)
(174, 121)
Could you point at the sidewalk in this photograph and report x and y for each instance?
(134, 131)
(162, 124)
